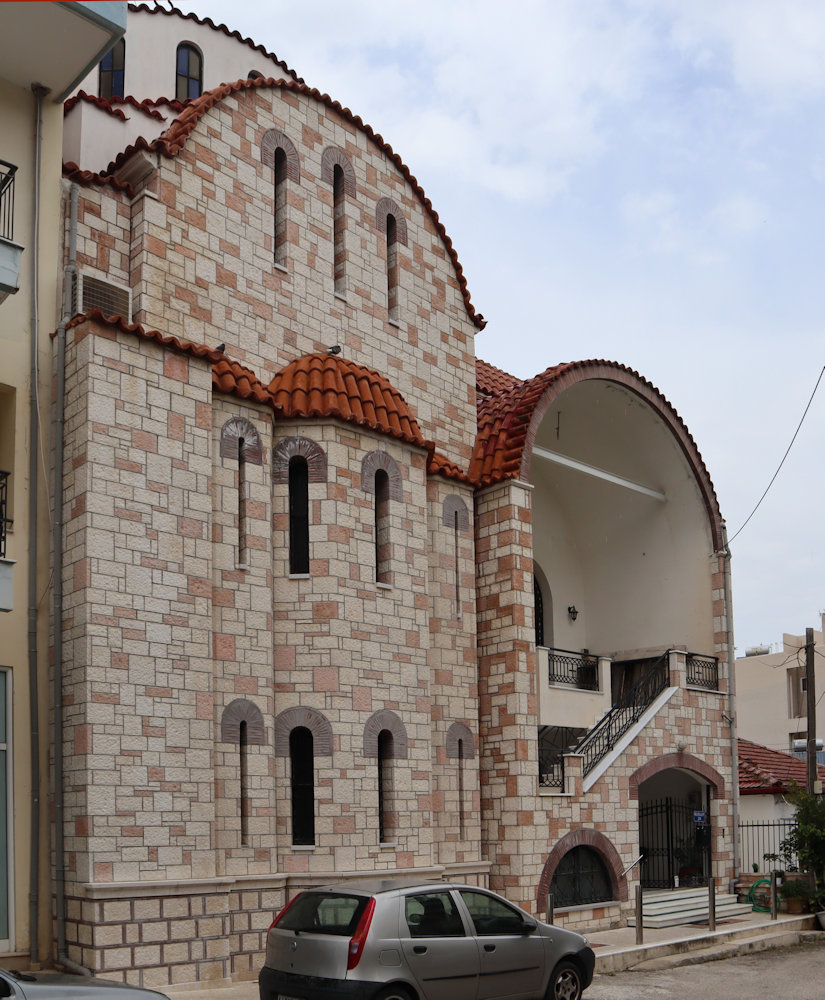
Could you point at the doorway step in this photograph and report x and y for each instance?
(670, 908)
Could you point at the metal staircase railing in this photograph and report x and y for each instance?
(630, 707)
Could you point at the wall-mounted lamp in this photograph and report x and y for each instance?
(572, 613)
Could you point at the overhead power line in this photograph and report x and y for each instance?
(787, 452)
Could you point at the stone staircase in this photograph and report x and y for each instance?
(670, 908)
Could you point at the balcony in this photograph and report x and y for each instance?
(9, 250)
(6, 565)
(574, 687)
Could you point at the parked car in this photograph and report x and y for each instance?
(57, 986)
(390, 940)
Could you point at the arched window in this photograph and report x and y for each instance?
(460, 766)
(302, 774)
(188, 72)
(298, 515)
(243, 766)
(386, 817)
(382, 527)
(392, 268)
(253, 74)
(339, 227)
(279, 202)
(278, 151)
(112, 71)
(581, 878)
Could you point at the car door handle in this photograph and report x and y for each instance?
(489, 947)
(420, 949)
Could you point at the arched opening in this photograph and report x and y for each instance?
(188, 72)
(298, 515)
(243, 768)
(581, 878)
(111, 78)
(302, 775)
(674, 830)
(386, 816)
(279, 206)
(382, 527)
(392, 268)
(338, 229)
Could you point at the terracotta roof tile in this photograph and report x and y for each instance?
(324, 385)
(191, 16)
(173, 343)
(490, 380)
(232, 378)
(172, 141)
(72, 172)
(763, 771)
(114, 105)
(439, 465)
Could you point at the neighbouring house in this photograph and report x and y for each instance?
(771, 692)
(335, 596)
(45, 49)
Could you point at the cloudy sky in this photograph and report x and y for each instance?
(637, 180)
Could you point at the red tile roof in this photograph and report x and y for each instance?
(172, 343)
(232, 378)
(191, 16)
(113, 105)
(325, 385)
(763, 771)
(490, 380)
(173, 140)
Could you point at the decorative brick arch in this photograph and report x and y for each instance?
(385, 207)
(240, 429)
(290, 448)
(374, 461)
(308, 718)
(460, 731)
(238, 711)
(680, 759)
(385, 719)
(331, 158)
(583, 838)
(453, 504)
(274, 140)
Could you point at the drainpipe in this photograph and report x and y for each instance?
(34, 451)
(57, 595)
(734, 748)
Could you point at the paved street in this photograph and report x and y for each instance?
(788, 973)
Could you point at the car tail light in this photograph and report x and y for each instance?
(359, 938)
(283, 911)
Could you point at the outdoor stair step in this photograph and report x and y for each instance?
(692, 902)
(675, 919)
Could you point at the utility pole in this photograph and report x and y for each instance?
(811, 692)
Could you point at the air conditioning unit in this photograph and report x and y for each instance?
(92, 292)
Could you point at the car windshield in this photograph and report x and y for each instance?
(324, 913)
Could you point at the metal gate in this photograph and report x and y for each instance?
(674, 839)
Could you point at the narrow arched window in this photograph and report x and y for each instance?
(111, 81)
(253, 74)
(243, 767)
(460, 767)
(339, 226)
(392, 268)
(302, 774)
(241, 503)
(188, 72)
(386, 816)
(382, 527)
(298, 515)
(279, 202)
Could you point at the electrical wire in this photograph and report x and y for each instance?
(787, 452)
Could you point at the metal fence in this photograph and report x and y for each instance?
(7, 172)
(702, 671)
(4, 522)
(565, 666)
(551, 768)
(757, 839)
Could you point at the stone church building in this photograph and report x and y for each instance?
(337, 596)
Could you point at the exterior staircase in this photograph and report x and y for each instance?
(670, 908)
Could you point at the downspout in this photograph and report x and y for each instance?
(734, 747)
(69, 276)
(34, 450)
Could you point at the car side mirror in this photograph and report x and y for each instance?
(528, 926)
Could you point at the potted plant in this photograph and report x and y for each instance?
(807, 842)
(796, 894)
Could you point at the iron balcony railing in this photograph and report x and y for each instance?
(579, 670)
(551, 767)
(628, 710)
(4, 521)
(702, 671)
(7, 172)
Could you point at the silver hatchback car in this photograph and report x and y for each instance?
(392, 940)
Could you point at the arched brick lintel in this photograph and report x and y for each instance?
(238, 711)
(460, 732)
(385, 719)
(386, 207)
(317, 724)
(238, 429)
(273, 140)
(331, 158)
(375, 460)
(685, 761)
(608, 372)
(453, 504)
(298, 446)
(583, 838)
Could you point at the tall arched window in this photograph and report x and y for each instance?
(392, 268)
(302, 775)
(382, 527)
(188, 72)
(460, 767)
(386, 816)
(279, 201)
(298, 515)
(111, 80)
(243, 767)
(338, 226)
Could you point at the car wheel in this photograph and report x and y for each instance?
(566, 983)
(393, 993)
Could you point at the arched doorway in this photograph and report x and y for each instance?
(675, 830)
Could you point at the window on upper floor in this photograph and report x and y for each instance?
(111, 79)
(253, 74)
(302, 775)
(392, 267)
(382, 527)
(386, 816)
(298, 515)
(188, 72)
(339, 227)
